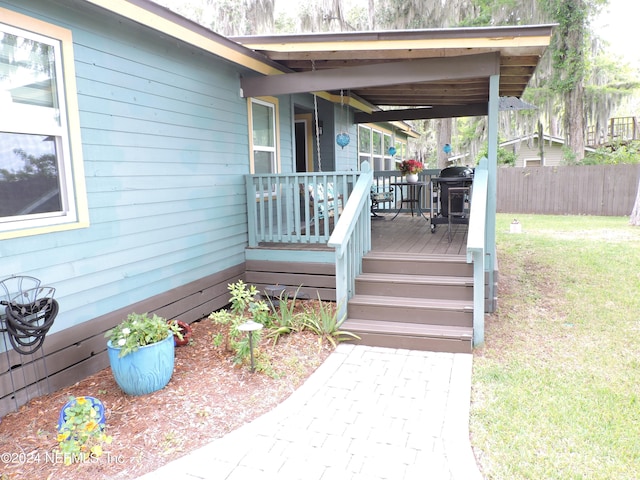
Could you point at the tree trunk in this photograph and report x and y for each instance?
(541, 142)
(635, 213)
(574, 121)
(444, 137)
(372, 15)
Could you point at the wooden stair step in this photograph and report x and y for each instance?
(395, 278)
(437, 338)
(417, 286)
(434, 311)
(355, 325)
(412, 302)
(382, 262)
(379, 255)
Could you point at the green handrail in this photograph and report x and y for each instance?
(351, 239)
(476, 246)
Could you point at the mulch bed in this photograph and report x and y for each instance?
(206, 398)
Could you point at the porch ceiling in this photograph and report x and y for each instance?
(445, 71)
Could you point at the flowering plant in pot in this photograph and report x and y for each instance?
(142, 352)
(410, 167)
(81, 429)
(139, 330)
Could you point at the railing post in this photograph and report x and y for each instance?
(478, 298)
(252, 211)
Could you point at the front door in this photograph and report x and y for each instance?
(304, 142)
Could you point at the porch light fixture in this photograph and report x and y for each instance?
(250, 326)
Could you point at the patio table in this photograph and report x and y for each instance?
(414, 190)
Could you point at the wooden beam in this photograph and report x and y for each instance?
(427, 70)
(326, 58)
(437, 111)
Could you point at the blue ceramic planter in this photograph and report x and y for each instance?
(146, 370)
(94, 401)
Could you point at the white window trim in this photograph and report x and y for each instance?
(273, 103)
(75, 211)
(384, 157)
(537, 161)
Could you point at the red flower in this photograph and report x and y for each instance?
(410, 166)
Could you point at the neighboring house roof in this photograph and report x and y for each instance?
(458, 158)
(547, 138)
(514, 103)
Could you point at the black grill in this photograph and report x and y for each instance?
(465, 172)
(450, 197)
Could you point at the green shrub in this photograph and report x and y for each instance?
(615, 154)
(243, 307)
(285, 318)
(324, 323)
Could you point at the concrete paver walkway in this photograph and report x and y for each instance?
(366, 413)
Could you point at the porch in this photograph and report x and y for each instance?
(412, 235)
(404, 234)
(397, 282)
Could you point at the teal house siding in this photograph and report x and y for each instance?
(165, 152)
(165, 145)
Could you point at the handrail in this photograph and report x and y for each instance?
(351, 239)
(476, 246)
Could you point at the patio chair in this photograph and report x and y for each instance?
(380, 195)
(326, 202)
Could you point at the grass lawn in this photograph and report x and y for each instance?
(556, 387)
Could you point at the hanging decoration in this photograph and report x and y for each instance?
(392, 150)
(343, 138)
(447, 148)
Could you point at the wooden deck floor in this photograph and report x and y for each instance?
(409, 234)
(405, 234)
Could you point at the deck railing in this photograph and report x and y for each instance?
(352, 239)
(383, 180)
(296, 207)
(476, 246)
(618, 129)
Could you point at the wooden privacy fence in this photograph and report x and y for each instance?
(607, 190)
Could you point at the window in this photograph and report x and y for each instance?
(389, 163)
(533, 162)
(373, 146)
(38, 183)
(264, 136)
(364, 144)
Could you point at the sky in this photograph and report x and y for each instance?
(618, 25)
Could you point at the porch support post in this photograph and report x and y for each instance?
(490, 232)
